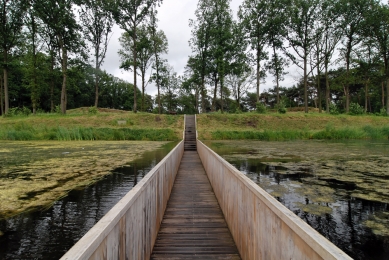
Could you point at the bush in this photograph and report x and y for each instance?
(25, 111)
(281, 108)
(333, 109)
(93, 110)
(57, 109)
(383, 112)
(260, 108)
(15, 111)
(356, 109)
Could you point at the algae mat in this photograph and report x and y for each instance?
(33, 175)
(339, 188)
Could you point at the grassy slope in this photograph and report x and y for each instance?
(80, 125)
(104, 125)
(297, 125)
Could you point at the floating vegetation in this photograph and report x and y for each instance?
(33, 175)
(340, 188)
(379, 223)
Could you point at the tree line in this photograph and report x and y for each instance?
(53, 50)
(340, 47)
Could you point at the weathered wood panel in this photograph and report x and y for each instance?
(129, 229)
(260, 225)
(193, 226)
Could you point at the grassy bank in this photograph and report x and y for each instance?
(78, 125)
(291, 126)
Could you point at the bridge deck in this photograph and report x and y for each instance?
(193, 226)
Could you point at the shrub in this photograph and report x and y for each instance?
(281, 108)
(93, 110)
(25, 111)
(260, 108)
(333, 109)
(383, 112)
(356, 109)
(57, 109)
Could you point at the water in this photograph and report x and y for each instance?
(49, 234)
(333, 191)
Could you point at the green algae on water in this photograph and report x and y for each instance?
(33, 175)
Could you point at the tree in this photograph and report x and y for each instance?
(97, 24)
(330, 38)
(254, 15)
(200, 44)
(301, 32)
(145, 53)
(58, 16)
(378, 29)
(160, 46)
(129, 14)
(11, 18)
(240, 84)
(351, 24)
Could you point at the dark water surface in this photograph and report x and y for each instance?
(325, 202)
(49, 234)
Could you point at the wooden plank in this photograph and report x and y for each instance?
(193, 226)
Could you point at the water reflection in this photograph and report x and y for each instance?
(325, 203)
(49, 234)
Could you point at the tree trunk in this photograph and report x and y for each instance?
(52, 83)
(347, 88)
(197, 100)
(319, 90)
(203, 95)
(5, 70)
(383, 95)
(1, 96)
(64, 75)
(97, 69)
(143, 91)
(366, 95)
(159, 101)
(387, 96)
(135, 65)
(221, 94)
(34, 90)
(327, 89)
(258, 71)
(305, 85)
(214, 96)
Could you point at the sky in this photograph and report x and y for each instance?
(174, 18)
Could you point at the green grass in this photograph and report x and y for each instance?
(86, 133)
(100, 126)
(367, 132)
(291, 126)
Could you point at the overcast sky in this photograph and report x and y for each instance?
(174, 18)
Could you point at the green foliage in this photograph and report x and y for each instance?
(25, 132)
(330, 133)
(281, 108)
(383, 112)
(260, 108)
(93, 110)
(15, 111)
(333, 109)
(356, 109)
(57, 109)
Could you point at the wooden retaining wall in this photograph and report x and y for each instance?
(260, 225)
(129, 229)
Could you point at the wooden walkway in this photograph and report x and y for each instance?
(193, 226)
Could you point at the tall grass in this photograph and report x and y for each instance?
(329, 133)
(25, 132)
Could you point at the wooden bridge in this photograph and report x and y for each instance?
(195, 205)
